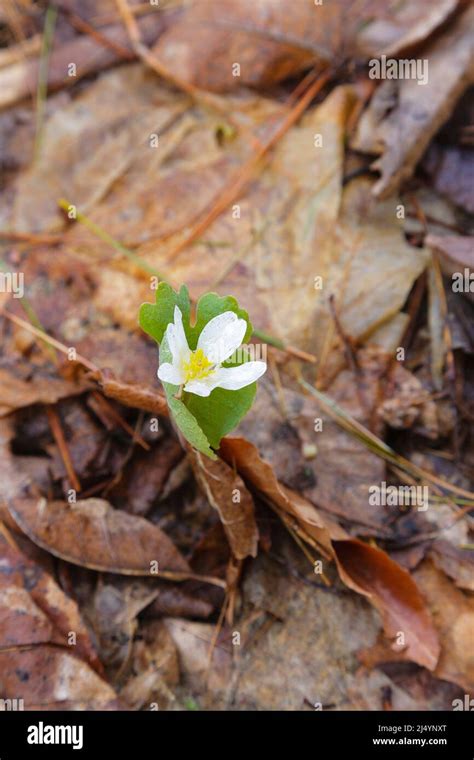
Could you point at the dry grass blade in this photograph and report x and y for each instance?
(48, 34)
(376, 445)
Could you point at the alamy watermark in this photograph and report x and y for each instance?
(246, 352)
(463, 282)
(11, 705)
(399, 496)
(12, 282)
(403, 68)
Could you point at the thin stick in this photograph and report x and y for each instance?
(58, 433)
(82, 26)
(52, 341)
(116, 417)
(28, 237)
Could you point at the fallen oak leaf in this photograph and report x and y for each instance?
(93, 534)
(367, 570)
(221, 484)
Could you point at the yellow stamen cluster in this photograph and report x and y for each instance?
(198, 366)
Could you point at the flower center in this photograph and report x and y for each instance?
(198, 366)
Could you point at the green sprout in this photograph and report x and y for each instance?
(208, 377)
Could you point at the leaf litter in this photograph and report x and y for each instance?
(237, 541)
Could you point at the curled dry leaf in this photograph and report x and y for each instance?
(453, 616)
(93, 534)
(134, 396)
(416, 111)
(227, 493)
(272, 44)
(363, 568)
(392, 590)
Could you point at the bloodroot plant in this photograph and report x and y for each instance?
(209, 380)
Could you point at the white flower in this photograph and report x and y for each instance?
(200, 371)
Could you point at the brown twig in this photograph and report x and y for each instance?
(28, 237)
(83, 26)
(59, 437)
(113, 415)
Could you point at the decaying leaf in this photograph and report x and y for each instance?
(272, 44)
(155, 669)
(365, 569)
(453, 617)
(394, 593)
(36, 611)
(403, 115)
(93, 534)
(227, 493)
(43, 388)
(66, 683)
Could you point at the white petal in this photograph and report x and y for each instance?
(222, 336)
(234, 378)
(230, 378)
(200, 387)
(176, 339)
(171, 373)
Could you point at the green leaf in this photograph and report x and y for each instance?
(189, 427)
(221, 411)
(155, 317)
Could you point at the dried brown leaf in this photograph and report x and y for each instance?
(91, 533)
(363, 568)
(222, 486)
(403, 116)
